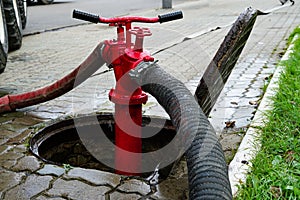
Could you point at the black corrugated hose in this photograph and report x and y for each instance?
(207, 169)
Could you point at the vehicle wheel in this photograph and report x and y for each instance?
(30, 2)
(3, 39)
(45, 1)
(23, 12)
(13, 23)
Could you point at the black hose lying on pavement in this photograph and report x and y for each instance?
(207, 169)
(221, 66)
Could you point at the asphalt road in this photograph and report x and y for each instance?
(58, 14)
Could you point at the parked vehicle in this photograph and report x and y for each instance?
(40, 1)
(13, 18)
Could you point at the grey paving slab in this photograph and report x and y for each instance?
(75, 189)
(94, 176)
(31, 187)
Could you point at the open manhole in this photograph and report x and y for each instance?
(60, 143)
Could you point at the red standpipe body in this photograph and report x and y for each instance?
(128, 98)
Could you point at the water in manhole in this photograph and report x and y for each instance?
(61, 144)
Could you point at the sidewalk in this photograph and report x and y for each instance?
(48, 56)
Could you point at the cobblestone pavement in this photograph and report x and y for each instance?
(48, 56)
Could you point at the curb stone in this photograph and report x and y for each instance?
(240, 166)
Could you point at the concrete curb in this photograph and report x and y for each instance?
(250, 145)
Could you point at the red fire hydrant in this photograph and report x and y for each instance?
(123, 56)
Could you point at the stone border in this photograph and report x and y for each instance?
(241, 163)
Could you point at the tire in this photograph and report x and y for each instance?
(3, 39)
(13, 23)
(46, 2)
(23, 12)
(30, 2)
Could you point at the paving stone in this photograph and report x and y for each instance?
(253, 92)
(3, 148)
(243, 112)
(245, 102)
(124, 196)
(243, 83)
(9, 179)
(27, 121)
(235, 92)
(21, 148)
(3, 140)
(231, 141)
(32, 186)
(48, 198)
(259, 82)
(51, 170)
(77, 190)
(94, 176)
(9, 117)
(9, 159)
(222, 112)
(242, 122)
(28, 163)
(19, 138)
(15, 128)
(5, 135)
(172, 189)
(248, 76)
(133, 185)
(228, 102)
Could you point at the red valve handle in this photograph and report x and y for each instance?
(140, 32)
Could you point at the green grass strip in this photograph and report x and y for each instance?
(275, 173)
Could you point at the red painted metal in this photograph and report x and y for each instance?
(128, 19)
(123, 56)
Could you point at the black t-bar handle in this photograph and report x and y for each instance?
(77, 14)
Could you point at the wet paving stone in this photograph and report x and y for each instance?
(136, 186)
(19, 139)
(28, 163)
(253, 92)
(172, 189)
(124, 196)
(32, 186)
(9, 179)
(243, 112)
(51, 170)
(21, 148)
(242, 122)
(48, 198)
(231, 141)
(15, 128)
(235, 92)
(9, 159)
(5, 135)
(3, 148)
(77, 190)
(27, 121)
(94, 176)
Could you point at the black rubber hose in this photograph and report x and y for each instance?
(207, 169)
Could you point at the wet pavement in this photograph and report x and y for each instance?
(48, 56)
